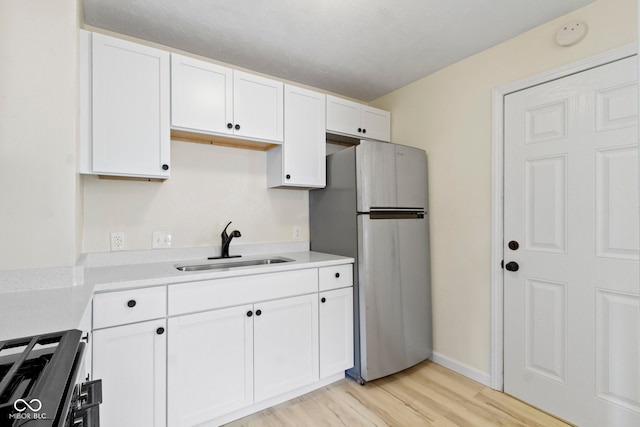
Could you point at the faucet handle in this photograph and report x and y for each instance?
(224, 232)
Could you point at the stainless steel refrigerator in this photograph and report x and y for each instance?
(374, 209)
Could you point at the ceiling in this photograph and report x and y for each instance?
(358, 48)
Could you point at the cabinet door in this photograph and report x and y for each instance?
(210, 364)
(201, 95)
(336, 331)
(285, 345)
(300, 161)
(130, 109)
(376, 124)
(258, 106)
(131, 361)
(343, 116)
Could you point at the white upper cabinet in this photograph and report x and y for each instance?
(359, 120)
(300, 161)
(201, 95)
(211, 99)
(258, 106)
(125, 108)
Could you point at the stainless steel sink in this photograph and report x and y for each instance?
(221, 264)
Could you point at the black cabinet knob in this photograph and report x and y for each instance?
(131, 303)
(229, 125)
(160, 331)
(337, 275)
(512, 266)
(249, 313)
(359, 130)
(258, 312)
(513, 245)
(364, 131)
(165, 167)
(323, 299)
(237, 127)
(288, 176)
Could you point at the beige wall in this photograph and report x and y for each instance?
(38, 128)
(449, 115)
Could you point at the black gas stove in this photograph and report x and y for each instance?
(41, 382)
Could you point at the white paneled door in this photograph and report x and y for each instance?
(571, 306)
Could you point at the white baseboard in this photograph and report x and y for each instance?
(469, 372)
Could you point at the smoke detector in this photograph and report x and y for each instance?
(571, 33)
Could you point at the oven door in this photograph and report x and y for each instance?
(82, 408)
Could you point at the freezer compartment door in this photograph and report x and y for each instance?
(394, 294)
(390, 176)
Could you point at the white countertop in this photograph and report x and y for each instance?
(40, 311)
(37, 311)
(161, 273)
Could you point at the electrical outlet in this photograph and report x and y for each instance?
(117, 240)
(297, 233)
(161, 239)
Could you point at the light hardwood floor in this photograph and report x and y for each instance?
(425, 395)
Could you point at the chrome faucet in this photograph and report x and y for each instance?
(226, 240)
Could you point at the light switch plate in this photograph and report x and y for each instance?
(161, 239)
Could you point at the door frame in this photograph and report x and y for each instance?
(497, 191)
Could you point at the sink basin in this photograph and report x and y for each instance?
(220, 264)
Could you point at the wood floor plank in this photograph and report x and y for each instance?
(426, 395)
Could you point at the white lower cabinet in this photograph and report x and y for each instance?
(224, 360)
(336, 331)
(210, 367)
(285, 345)
(232, 346)
(131, 361)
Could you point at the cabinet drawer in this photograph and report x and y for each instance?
(334, 277)
(220, 293)
(118, 308)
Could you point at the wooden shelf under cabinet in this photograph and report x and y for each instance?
(203, 138)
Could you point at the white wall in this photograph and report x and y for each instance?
(449, 115)
(38, 128)
(209, 186)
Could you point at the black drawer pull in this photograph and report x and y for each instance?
(131, 303)
(323, 299)
(160, 331)
(337, 275)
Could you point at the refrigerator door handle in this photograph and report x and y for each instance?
(396, 215)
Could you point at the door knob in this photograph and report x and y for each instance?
(512, 266)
